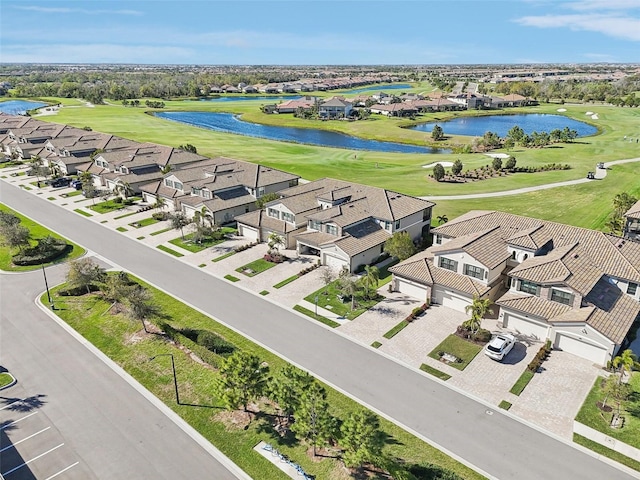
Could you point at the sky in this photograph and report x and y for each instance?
(328, 32)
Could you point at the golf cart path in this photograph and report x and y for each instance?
(600, 173)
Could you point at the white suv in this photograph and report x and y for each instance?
(500, 346)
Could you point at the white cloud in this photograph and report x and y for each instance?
(612, 25)
(603, 5)
(600, 57)
(33, 8)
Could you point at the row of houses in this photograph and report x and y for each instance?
(303, 85)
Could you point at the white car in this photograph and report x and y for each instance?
(500, 346)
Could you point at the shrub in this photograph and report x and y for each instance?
(47, 250)
(417, 311)
(117, 200)
(128, 201)
(274, 257)
(482, 336)
(214, 343)
(160, 215)
(242, 248)
(540, 357)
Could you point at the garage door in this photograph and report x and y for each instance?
(450, 299)
(249, 233)
(525, 327)
(580, 348)
(334, 262)
(416, 291)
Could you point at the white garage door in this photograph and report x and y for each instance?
(447, 298)
(249, 233)
(525, 327)
(416, 291)
(581, 349)
(334, 262)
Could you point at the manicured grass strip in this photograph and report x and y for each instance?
(51, 198)
(26, 187)
(140, 238)
(504, 405)
(122, 229)
(397, 329)
(144, 222)
(607, 452)
(72, 194)
(286, 281)
(264, 292)
(320, 318)
(256, 267)
(522, 382)
(168, 250)
(81, 200)
(435, 372)
(222, 257)
(376, 344)
(187, 244)
(231, 278)
(5, 379)
(160, 231)
(104, 221)
(124, 216)
(82, 212)
(37, 232)
(461, 348)
(202, 265)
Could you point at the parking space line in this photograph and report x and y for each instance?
(61, 471)
(32, 460)
(16, 421)
(13, 444)
(15, 401)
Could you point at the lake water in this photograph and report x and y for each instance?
(230, 123)
(19, 107)
(501, 124)
(381, 88)
(264, 98)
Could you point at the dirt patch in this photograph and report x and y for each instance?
(604, 408)
(233, 419)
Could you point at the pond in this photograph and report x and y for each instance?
(501, 124)
(381, 88)
(264, 98)
(19, 107)
(230, 123)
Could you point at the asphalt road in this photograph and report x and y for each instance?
(107, 428)
(492, 442)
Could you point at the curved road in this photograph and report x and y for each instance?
(488, 440)
(600, 173)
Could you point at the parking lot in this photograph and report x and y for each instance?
(31, 447)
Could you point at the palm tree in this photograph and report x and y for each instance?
(36, 165)
(478, 309)
(275, 242)
(160, 203)
(624, 362)
(442, 219)
(370, 279)
(124, 189)
(178, 221)
(203, 214)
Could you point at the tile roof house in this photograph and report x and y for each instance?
(345, 224)
(224, 187)
(394, 109)
(573, 286)
(632, 222)
(335, 107)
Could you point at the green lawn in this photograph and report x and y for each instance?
(376, 344)
(461, 348)
(222, 257)
(145, 222)
(522, 382)
(328, 298)
(75, 193)
(124, 216)
(189, 245)
(83, 213)
(122, 229)
(112, 334)
(231, 278)
(170, 251)
(504, 405)
(109, 206)
(5, 379)
(320, 318)
(435, 372)
(161, 231)
(397, 329)
(592, 416)
(256, 267)
(286, 281)
(37, 232)
(607, 452)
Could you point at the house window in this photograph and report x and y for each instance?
(168, 182)
(387, 225)
(206, 194)
(561, 297)
(332, 230)
(528, 287)
(632, 288)
(260, 191)
(473, 271)
(425, 215)
(177, 185)
(397, 224)
(315, 225)
(287, 217)
(438, 239)
(513, 255)
(448, 264)
(272, 212)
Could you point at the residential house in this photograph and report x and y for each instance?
(632, 223)
(573, 286)
(394, 109)
(249, 89)
(345, 224)
(290, 106)
(224, 187)
(335, 107)
(470, 101)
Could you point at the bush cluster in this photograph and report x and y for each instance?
(308, 269)
(47, 250)
(543, 168)
(242, 248)
(214, 343)
(160, 215)
(540, 357)
(274, 257)
(416, 312)
(481, 336)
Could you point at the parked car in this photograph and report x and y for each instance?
(500, 346)
(60, 182)
(77, 184)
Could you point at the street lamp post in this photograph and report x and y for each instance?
(316, 305)
(173, 368)
(49, 297)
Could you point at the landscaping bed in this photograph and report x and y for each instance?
(256, 267)
(331, 298)
(189, 244)
(461, 352)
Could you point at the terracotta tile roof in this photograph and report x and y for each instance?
(615, 311)
(532, 305)
(634, 211)
(314, 238)
(485, 246)
(361, 238)
(258, 218)
(523, 239)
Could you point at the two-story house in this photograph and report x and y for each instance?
(631, 228)
(335, 107)
(345, 224)
(573, 286)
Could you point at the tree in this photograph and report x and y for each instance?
(160, 203)
(624, 362)
(510, 164)
(442, 219)
(116, 287)
(400, 245)
(497, 164)
(203, 214)
(287, 388)
(456, 168)
(327, 276)
(437, 133)
(623, 202)
(266, 198)
(15, 235)
(243, 378)
(478, 309)
(616, 224)
(83, 273)
(516, 134)
(370, 280)
(313, 423)
(188, 148)
(36, 165)
(139, 300)
(178, 221)
(349, 287)
(124, 189)
(274, 242)
(362, 439)
(438, 172)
